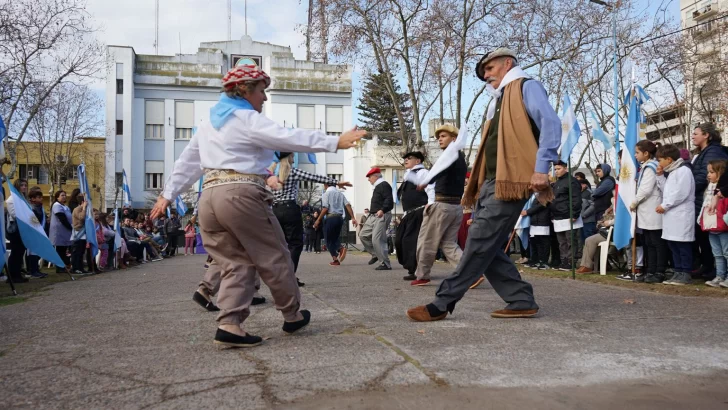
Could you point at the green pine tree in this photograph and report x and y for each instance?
(376, 107)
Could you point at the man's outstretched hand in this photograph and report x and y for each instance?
(159, 208)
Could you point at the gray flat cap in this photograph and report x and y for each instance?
(498, 52)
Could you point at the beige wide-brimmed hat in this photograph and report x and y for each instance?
(498, 52)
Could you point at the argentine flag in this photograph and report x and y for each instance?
(394, 186)
(31, 230)
(126, 192)
(90, 223)
(570, 131)
(180, 206)
(599, 134)
(524, 222)
(624, 222)
(117, 231)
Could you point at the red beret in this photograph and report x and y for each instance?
(374, 170)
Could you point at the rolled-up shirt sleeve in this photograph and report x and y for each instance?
(539, 109)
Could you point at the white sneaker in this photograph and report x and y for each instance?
(715, 282)
(522, 261)
(724, 284)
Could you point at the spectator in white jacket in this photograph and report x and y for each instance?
(648, 198)
(678, 207)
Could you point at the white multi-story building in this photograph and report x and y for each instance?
(154, 102)
(705, 56)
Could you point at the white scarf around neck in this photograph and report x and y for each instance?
(513, 74)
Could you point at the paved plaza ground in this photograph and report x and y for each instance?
(134, 339)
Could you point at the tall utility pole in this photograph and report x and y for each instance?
(230, 19)
(156, 27)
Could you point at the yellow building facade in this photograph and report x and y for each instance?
(36, 163)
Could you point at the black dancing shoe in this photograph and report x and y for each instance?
(258, 301)
(206, 304)
(290, 327)
(225, 338)
(383, 267)
(410, 277)
(300, 284)
(372, 261)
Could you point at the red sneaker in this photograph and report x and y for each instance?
(420, 282)
(335, 263)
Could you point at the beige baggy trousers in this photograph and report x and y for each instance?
(244, 237)
(440, 226)
(211, 280)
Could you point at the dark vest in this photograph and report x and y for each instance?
(409, 195)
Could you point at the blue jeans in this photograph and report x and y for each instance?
(332, 232)
(682, 256)
(719, 244)
(589, 229)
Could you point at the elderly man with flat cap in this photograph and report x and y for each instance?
(520, 140)
(413, 202)
(374, 233)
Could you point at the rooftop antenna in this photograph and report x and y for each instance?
(156, 27)
(230, 19)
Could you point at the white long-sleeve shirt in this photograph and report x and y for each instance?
(245, 144)
(418, 177)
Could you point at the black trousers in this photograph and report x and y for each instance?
(554, 247)
(15, 262)
(79, 250)
(289, 216)
(63, 253)
(655, 251)
(405, 240)
(540, 248)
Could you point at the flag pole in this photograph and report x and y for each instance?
(10, 280)
(571, 223)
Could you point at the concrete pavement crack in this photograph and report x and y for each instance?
(266, 390)
(386, 342)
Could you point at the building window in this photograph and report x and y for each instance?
(28, 171)
(154, 119)
(337, 177)
(119, 127)
(154, 174)
(154, 181)
(119, 86)
(184, 119)
(334, 120)
(306, 117)
(154, 132)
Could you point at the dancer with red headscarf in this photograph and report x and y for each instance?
(233, 150)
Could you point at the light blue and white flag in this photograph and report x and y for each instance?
(126, 191)
(394, 186)
(31, 230)
(3, 134)
(524, 222)
(570, 131)
(90, 223)
(180, 206)
(624, 222)
(599, 134)
(117, 231)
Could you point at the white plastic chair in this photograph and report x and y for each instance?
(604, 252)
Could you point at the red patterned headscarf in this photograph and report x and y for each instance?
(243, 74)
